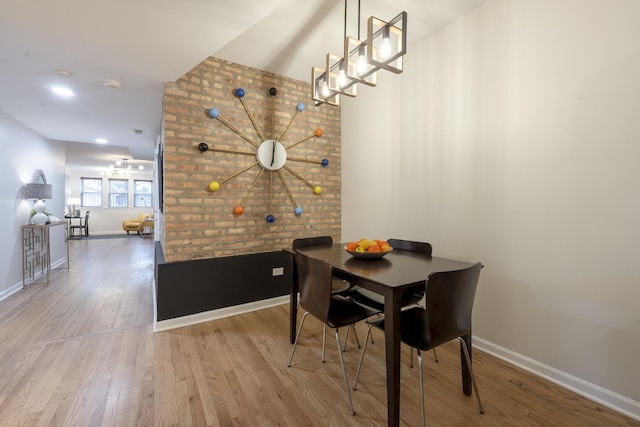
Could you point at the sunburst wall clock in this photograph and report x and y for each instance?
(271, 152)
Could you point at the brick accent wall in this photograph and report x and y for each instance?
(199, 223)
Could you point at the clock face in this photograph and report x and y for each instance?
(271, 155)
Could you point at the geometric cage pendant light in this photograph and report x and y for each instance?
(384, 48)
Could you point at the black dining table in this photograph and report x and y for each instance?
(390, 276)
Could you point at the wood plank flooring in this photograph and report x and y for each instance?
(81, 352)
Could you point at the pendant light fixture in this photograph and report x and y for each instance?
(384, 48)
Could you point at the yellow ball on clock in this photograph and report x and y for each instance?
(317, 190)
(214, 185)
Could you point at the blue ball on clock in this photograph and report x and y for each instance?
(270, 218)
(240, 92)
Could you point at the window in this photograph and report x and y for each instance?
(91, 192)
(142, 194)
(118, 193)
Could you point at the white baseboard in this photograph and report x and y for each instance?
(207, 316)
(12, 290)
(608, 398)
(18, 286)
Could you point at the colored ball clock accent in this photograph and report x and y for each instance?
(271, 154)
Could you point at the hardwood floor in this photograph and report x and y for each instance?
(81, 352)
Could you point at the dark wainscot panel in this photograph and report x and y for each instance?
(190, 287)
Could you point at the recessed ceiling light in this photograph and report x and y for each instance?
(112, 84)
(63, 92)
(64, 73)
(101, 141)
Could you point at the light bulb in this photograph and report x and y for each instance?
(361, 66)
(385, 48)
(325, 89)
(342, 78)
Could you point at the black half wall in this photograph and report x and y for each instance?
(190, 287)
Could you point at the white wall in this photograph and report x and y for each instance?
(513, 138)
(24, 151)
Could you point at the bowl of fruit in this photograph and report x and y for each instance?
(368, 249)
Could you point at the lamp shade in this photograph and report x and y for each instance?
(39, 191)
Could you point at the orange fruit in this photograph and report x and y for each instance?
(351, 246)
(385, 248)
(381, 243)
(374, 248)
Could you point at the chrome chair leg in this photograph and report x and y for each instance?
(364, 348)
(421, 382)
(295, 343)
(346, 336)
(435, 357)
(324, 337)
(344, 373)
(355, 334)
(463, 344)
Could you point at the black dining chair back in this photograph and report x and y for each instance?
(447, 316)
(411, 246)
(305, 242)
(316, 297)
(449, 304)
(314, 284)
(83, 227)
(339, 285)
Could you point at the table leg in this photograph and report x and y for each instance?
(392, 349)
(466, 375)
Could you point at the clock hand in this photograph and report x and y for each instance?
(273, 152)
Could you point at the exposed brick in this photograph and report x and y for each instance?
(200, 223)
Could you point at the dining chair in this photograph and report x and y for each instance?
(83, 227)
(338, 285)
(411, 297)
(317, 298)
(447, 316)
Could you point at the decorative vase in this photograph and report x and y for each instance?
(39, 218)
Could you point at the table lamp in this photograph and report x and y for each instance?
(72, 202)
(39, 192)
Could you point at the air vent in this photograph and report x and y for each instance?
(138, 131)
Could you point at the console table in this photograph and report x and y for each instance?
(36, 252)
